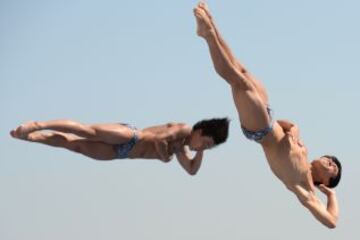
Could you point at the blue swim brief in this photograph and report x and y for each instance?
(123, 150)
(260, 134)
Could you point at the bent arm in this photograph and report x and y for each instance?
(289, 128)
(191, 166)
(326, 215)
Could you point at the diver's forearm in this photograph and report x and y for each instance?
(332, 205)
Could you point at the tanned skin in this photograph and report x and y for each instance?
(99, 141)
(285, 152)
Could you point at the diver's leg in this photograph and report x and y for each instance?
(257, 84)
(248, 101)
(108, 133)
(92, 149)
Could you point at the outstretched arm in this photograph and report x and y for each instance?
(191, 166)
(326, 215)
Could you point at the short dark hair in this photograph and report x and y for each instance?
(216, 128)
(334, 181)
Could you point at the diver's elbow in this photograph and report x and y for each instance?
(192, 172)
(331, 224)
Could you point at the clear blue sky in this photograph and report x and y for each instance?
(141, 62)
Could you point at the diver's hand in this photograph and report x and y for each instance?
(326, 190)
(199, 154)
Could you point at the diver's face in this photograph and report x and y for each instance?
(326, 168)
(199, 142)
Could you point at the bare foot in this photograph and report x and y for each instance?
(206, 8)
(204, 25)
(23, 130)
